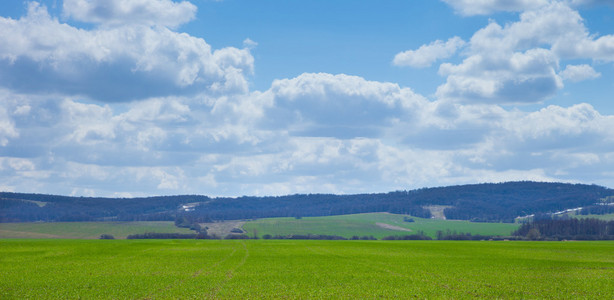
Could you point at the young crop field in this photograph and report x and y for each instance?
(376, 224)
(606, 217)
(85, 230)
(240, 269)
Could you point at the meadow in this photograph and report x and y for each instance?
(239, 269)
(367, 225)
(85, 230)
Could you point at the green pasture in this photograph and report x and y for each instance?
(606, 217)
(84, 230)
(291, 269)
(366, 224)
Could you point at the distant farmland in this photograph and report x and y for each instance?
(240, 269)
(84, 230)
(371, 224)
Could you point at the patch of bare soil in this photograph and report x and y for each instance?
(222, 229)
(437, 211)
(392, 227)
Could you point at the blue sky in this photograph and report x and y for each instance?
(158, 97)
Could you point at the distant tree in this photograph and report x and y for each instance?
(196, 227)
(155, 235)
(533, 234)
(202, 236)
(237, 237)
(106, 237)
(182, 221)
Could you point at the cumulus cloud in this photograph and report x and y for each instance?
(249, 43)
(340, 105)
(38, 54)
(521, 78)
(121, 12)
(590, 2)
(7, 127)
(487, 7)
(519, 62)
(426, 55)
(576, 73)
(226, 145)
(562, 125)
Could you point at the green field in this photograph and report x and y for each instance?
(606, 217)
(367, 224)
(84, 230)
(242, 269)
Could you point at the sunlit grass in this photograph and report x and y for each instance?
(239, 269)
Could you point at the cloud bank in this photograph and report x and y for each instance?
(130, 108)
(228, 145)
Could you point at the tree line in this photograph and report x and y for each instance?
(501, 202)
(567, 229)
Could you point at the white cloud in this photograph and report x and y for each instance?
(426, 55)
(7, 127)
(576, 73)
(249, 43)
(211, 146)
(563, 125)
(121, 12)
(590, 2)
(38, 54)
(520, 78)
(486, 7)
(312, 133)
(91, 123)
(519, 63)
(340, 105)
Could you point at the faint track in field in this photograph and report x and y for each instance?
(229, 274)
(197, 273)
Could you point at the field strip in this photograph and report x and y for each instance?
(230, 273)
(198, 272)
(10, 233)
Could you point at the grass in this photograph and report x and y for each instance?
(238, 269)
(366, 224)
(606, 217)
(84, 230)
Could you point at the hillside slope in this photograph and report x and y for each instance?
(500, 202)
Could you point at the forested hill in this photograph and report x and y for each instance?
(500, 202)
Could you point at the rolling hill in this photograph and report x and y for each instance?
(501, 202)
